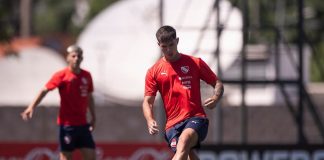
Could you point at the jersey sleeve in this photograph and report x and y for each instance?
(150, 84)
(206, 74)
(55, 81)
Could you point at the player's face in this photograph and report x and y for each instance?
(169, 49)
(74, 59)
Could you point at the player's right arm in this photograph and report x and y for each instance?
(28, 112)
(149, 116)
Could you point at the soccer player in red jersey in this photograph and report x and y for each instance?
(176, 77)
(75, 88)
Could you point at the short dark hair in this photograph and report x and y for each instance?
(74, 48)
(166, 34)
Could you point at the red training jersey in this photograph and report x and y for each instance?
(179, 85)
(74, 90)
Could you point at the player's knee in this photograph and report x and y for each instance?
(189, 138)
(185, 142)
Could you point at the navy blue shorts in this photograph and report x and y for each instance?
(72, 137)
(199, 124)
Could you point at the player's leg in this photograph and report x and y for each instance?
(86, 143)
(187, 140)
(88, 153)
(66, 142)
(195, 131)
(65, 155)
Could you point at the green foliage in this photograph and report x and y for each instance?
(52, 16)
(264, 15)
(8, 19)
(317, 64)
(97, 6)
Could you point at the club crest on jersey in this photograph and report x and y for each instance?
(185, 69)
(173, 143)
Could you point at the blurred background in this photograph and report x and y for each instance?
(269, 54)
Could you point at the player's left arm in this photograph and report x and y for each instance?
(210, 77)
(215, 98)
(92, 112)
